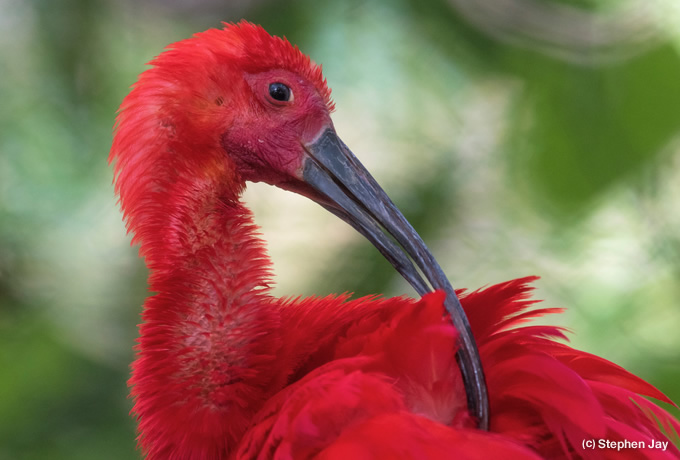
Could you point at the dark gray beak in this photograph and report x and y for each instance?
(348, 190)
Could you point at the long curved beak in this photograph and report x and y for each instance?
(349, 191)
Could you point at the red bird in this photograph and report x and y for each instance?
(227, 371)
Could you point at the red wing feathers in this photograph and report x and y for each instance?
(549, 391)
(392, 389)
(384, 383)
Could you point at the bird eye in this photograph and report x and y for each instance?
(280, 92)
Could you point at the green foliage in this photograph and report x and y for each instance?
(589, 129)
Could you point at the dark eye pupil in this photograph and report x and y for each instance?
(279, 92)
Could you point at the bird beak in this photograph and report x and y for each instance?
(348, 190)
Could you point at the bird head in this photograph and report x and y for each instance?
(235, 105)
(226, 106)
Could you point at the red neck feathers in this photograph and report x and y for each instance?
(208, 343)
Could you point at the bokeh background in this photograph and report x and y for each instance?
(518, 136)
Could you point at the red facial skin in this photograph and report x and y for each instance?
(266, 143)
(225, 370)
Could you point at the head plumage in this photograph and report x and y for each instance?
(249, 47)
(157, 128)
(259, 50)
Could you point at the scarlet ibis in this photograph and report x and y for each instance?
(226, 370)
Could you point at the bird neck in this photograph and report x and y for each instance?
(207, 234)
(210, 333)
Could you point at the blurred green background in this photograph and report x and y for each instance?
(519, 137)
